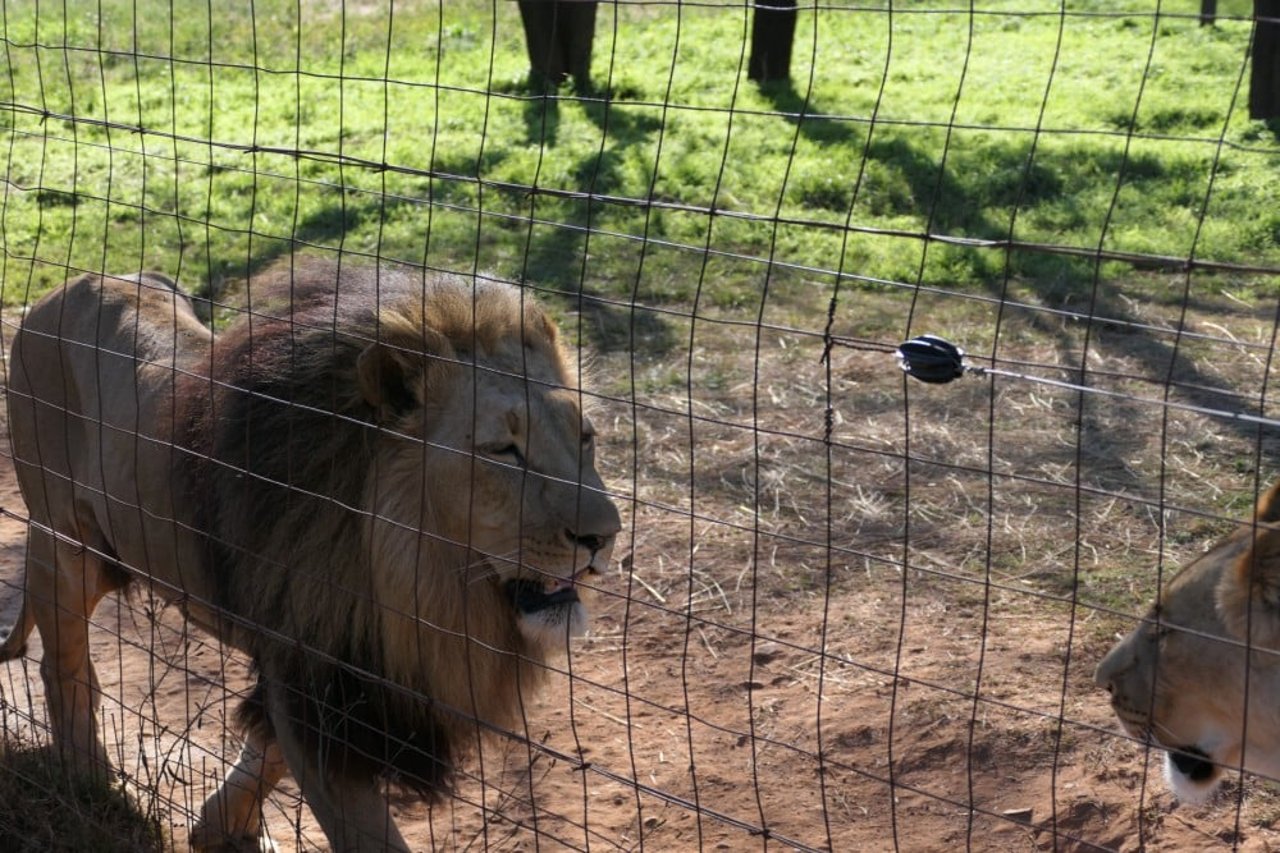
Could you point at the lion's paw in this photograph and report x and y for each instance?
(205, 839)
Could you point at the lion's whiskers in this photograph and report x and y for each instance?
(1156, 724)
(489, 563)
(502, 565)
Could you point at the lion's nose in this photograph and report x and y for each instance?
(1110, 668)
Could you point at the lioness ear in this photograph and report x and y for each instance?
(1269, 505)
(386, 380)
(1249, 596)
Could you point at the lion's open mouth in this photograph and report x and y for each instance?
(1192, 762)
(530, 595)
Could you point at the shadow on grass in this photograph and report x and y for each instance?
(325, 227)
(45, 807)
(814, 123)
(552, 260)
(549, 255)
(976, 194)
(553, 256)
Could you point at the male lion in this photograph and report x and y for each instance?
(1200, 677)
(380, 485)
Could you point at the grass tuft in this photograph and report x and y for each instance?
(46, 809)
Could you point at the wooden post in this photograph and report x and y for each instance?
(1264, 78)
(559, 34)
(1208, 12)
(772, 32)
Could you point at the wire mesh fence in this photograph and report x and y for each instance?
(845, 610)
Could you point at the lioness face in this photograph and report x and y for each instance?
(1184, 679)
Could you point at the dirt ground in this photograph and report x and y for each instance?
(740, 690)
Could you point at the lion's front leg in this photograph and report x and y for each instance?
(232, 817)
(64, 585)
(353, 814)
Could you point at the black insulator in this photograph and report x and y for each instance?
(931, 359)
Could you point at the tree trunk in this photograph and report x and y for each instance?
(772, 32)
(1264, 81)
(559, 35)
(1208, 12)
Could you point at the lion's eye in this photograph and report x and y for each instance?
(504, 452)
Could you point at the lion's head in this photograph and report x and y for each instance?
(1200, 677)
(484, 404)
(401, 486)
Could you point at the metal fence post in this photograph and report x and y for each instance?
(1264, 78)
(559, 35)
(772, 33)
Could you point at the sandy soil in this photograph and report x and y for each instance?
(696, 718)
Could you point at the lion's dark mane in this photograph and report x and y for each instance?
(282, 445)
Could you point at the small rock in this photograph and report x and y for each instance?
(765, 653)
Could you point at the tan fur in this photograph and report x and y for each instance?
(404, 496)
(1200, 677)
(90, 401)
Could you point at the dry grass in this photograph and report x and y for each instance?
(46, 809)
(1031, 487)
(966, 552)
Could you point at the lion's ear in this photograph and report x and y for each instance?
(1249, 596)
(549, 328)
(387, 378)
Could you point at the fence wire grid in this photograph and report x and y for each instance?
(846, 610)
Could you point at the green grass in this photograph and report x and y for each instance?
(673, 119)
